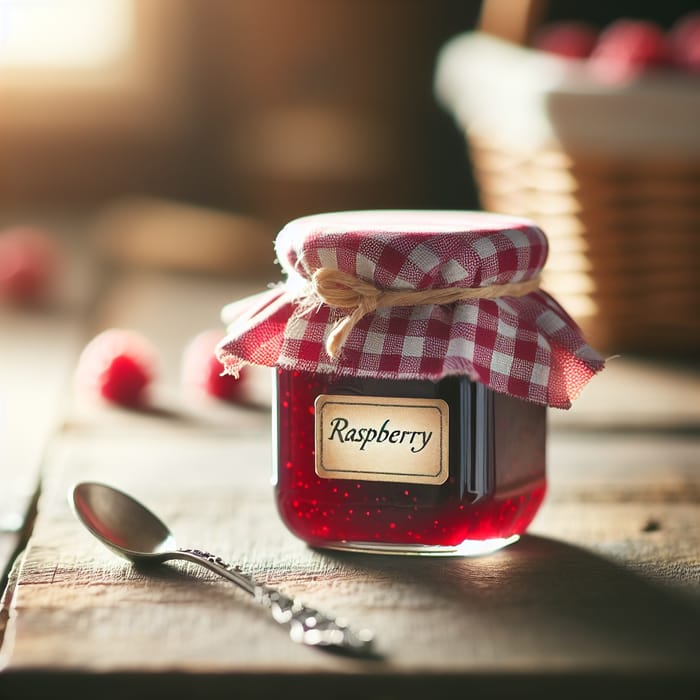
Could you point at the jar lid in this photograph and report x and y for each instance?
(414, 295)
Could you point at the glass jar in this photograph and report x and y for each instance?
(405, 466)
(383, 442)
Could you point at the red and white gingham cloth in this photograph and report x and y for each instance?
(527, 347)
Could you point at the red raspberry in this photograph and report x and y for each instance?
(118, 365)
(627, 48)
(684, 40)
(202, 371)
(566, 39)
(28, 264)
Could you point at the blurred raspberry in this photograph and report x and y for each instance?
(29, 259)
(118, 365)
(566, 39)
(627, 48)
(684, 41)
(202, 371)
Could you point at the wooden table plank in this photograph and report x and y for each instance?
(602, 594)
(39, 345)
(580, 595)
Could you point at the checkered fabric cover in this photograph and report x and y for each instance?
(527, 347)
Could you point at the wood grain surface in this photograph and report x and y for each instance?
(601, 596)
(605, 584)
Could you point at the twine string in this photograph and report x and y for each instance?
(341, 290)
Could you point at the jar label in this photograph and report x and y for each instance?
(380, 438)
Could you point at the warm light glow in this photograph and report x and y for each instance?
(75, 34)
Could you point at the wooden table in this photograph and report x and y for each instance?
(601, 596)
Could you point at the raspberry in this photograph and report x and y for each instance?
(28, 264)
(566, 39)
(118, 365)
(202, 371)
(684, 41)
(627, 48)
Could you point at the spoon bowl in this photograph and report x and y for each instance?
(120, 522)
(132, 531)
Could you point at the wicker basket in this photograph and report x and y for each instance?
(611, 173)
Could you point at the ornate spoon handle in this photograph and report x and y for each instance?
(306, 625)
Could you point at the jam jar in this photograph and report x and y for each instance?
(415, 356)
(351, 469)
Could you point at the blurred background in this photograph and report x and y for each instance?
(273, 108)
(276, 109)
(260, 109)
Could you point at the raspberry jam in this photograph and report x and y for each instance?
(477, 491)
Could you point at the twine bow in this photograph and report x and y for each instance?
(341, 290)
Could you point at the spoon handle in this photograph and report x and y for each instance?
(306, 625)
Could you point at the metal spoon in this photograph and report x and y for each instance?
(130, 530)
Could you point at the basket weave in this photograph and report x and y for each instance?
(619, 199)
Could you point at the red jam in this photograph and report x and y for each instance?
(495, 485)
